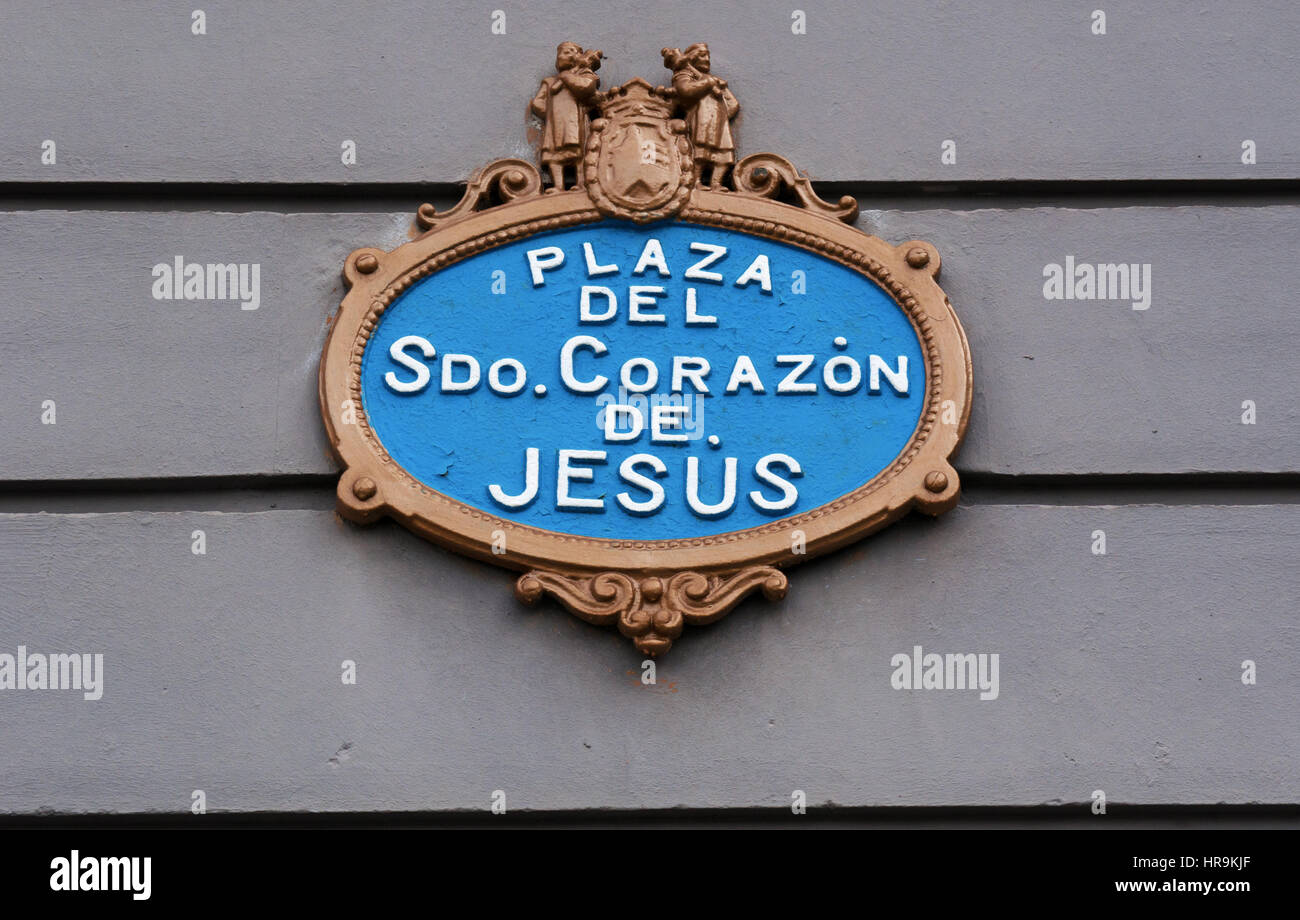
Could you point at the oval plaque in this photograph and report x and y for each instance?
(652, 417)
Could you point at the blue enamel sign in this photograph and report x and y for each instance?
(651, 375)
(655, 382)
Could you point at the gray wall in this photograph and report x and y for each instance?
(1119, 672)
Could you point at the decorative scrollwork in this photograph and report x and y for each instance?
(653, 611)
(766, 175)
(601, 599)
(502, 180)
(705, 598)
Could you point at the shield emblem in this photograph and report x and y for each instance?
(638, 159)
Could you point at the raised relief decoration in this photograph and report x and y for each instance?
(648, 376)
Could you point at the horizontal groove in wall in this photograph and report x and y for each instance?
(316, 493)
(233, 494)
(388, 197)
(1133, 489)
(1075, 816)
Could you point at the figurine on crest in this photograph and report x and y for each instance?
(562, 102)
(709, 107)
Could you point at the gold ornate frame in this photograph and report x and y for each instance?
(649, 588)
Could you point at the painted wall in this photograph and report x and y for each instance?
(1163, 426)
